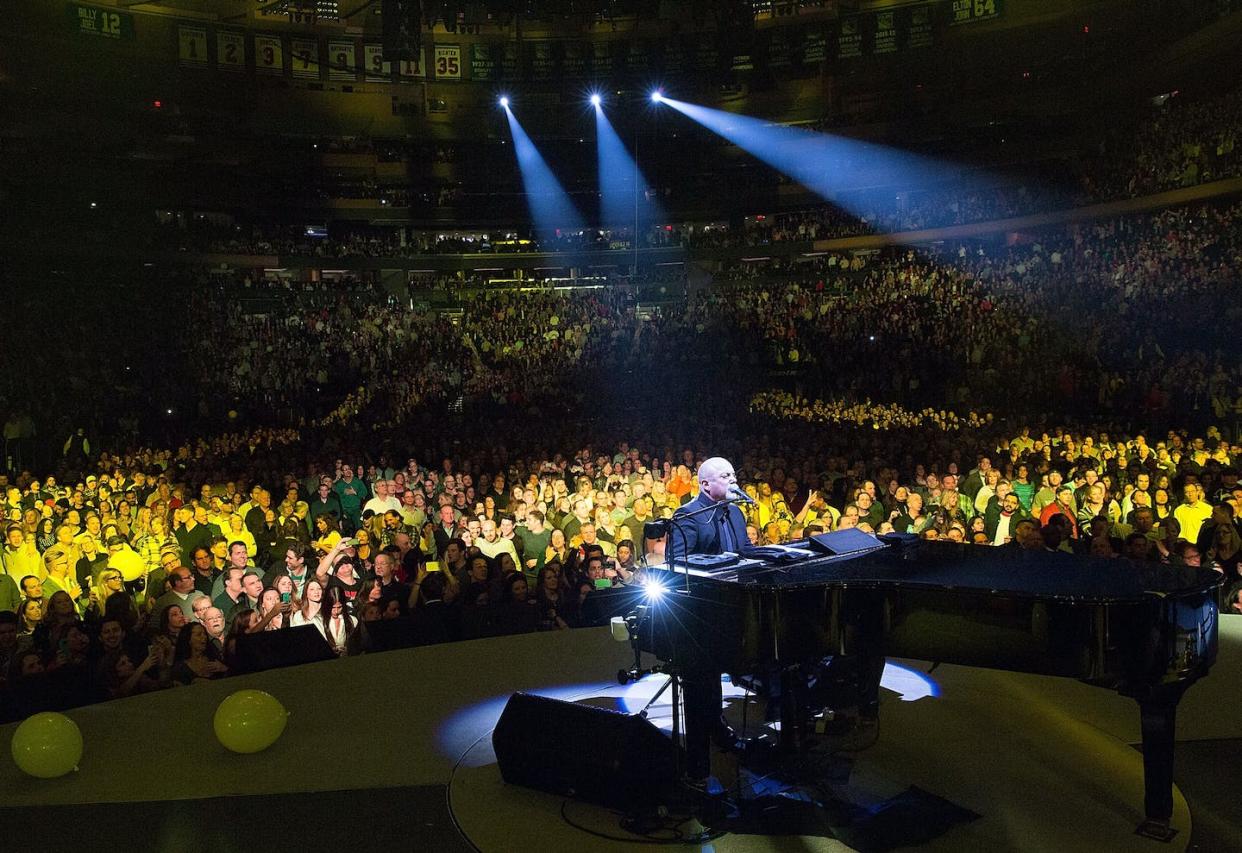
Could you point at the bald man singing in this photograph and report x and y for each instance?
(723, 530)
(710, 532)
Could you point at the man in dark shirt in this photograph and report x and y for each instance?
(634, 524)
(188, 532)
(497, 492)
(229, 599)
(325, 502)
(535, 540)
(204, 571)
(445, 529)
(386, 579)
(92, 562)
(707, 533)
(257, 515)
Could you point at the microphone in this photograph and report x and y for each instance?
(655, 529)
(737, 494)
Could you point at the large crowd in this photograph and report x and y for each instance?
(143, 572)
(1133, 316)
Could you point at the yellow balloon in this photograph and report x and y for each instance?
(128, 562)
(249, 721)
(47, 745)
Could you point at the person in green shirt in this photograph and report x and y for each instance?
(535, 539)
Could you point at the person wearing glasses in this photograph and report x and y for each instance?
(59, 578)
(181, 592)
(157, 581)
(110, 583)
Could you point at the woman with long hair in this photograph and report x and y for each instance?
(312, 601)
(271, 611)
(110, 583)
(366, 553)
(1224, 552)
(58, 612)
(550, 597)
(558, 548)
(171, 621)
(1160, 503)
(117, 676)
(29, 616)
(142, 523)
(196, 658)
(335, 623)
(605, 527)
(327, 533)
(244, 621)
(45, 534)
(288, 590)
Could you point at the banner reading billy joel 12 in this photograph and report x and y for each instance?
(102, 23)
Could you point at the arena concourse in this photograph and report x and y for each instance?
(298, 348)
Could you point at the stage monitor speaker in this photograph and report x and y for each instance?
(851, 540)
(594, 754)
(286, 647)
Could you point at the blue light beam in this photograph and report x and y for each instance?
(550, 206)
(619, 175)
(832, 167)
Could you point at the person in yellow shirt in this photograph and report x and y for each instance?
(1192, 512)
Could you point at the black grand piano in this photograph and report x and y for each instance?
(1147, 631)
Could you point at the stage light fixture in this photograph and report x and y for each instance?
(596, 100)
(504, 102)
(657, 96)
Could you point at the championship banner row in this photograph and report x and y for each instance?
(278, 55)
(795, 48)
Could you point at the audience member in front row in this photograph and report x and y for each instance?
(335, 621)
(196, 657)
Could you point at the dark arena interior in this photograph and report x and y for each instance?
(591, 425)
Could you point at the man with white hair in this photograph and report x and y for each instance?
(383, 501)
(213, 621)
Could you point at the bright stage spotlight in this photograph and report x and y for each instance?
(836, 168)
(551, 208)
(653, 590)
(657, 97)
(504, 102)
(596, 100)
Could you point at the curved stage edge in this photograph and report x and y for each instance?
(393, 752)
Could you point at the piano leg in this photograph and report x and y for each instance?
(1158, 710)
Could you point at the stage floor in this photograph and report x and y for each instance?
(393, 752)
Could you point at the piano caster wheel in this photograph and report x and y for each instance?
(1156, 829)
